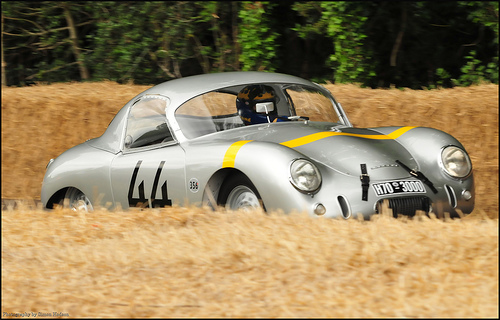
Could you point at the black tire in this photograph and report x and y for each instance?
(238, 192)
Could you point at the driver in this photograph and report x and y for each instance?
(247, 100)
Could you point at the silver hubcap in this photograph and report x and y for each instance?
(242, 197)
(78, 201)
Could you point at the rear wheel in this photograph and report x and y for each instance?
(76, 200)
(238, 192)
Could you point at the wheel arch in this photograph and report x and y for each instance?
(56, 198)
(214, 184)
(266, 166)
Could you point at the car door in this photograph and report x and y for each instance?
(149, 171)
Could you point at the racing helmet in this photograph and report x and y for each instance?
(249, 97)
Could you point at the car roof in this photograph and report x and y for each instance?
(181, 89)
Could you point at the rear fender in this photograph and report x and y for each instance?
(82, 167)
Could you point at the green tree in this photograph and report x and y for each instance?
(485, 15)
(343, 22)
(157, 40)
(376, 43)
(141, 40)
(221, 49)
(48, 30)
(256, 37)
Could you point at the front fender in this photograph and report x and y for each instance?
(426, 144)
(267, 165)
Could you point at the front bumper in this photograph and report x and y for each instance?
(345, 200)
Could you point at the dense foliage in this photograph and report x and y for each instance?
(374, 43)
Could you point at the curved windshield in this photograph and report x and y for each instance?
(311, 103)
(243, 105)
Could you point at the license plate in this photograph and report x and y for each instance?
(394, 187)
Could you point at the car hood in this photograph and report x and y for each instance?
(340, 148)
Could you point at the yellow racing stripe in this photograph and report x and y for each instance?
(230, 156)
(398, 133)
(321, 135)
(231, 152)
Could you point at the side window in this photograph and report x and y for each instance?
(147, 123)
(208, 113)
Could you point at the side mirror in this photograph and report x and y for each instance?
(264, 107)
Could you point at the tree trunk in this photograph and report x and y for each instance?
(4, 76)
(235, 36)
(84, 73)
(399, 38)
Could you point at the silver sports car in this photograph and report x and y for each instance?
(258, 139)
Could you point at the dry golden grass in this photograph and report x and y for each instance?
(192, 262)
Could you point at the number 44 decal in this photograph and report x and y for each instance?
(142, 201)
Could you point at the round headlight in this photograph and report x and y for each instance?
(304, 175)
(455, 162)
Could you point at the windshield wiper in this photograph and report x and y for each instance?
(297, 118)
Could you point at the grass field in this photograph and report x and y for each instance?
(193, 262)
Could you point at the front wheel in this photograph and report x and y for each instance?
(239, 193)
(76, 200)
